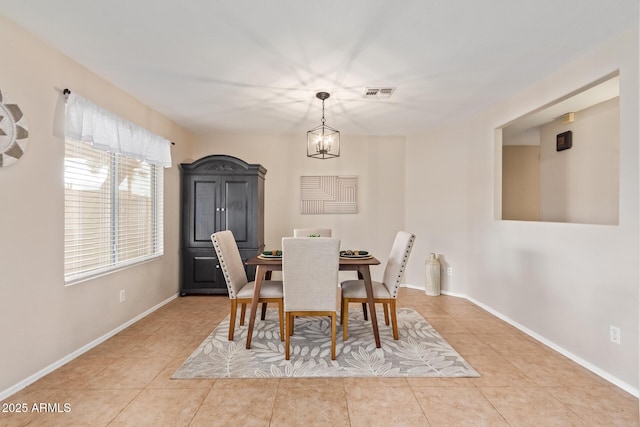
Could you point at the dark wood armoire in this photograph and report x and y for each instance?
(218, 192)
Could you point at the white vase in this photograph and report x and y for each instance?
(432, 287)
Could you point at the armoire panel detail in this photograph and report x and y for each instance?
(237, 196)
(204, 269)
(204, 208)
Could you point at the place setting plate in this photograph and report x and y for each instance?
(271, 255)
(355, 254)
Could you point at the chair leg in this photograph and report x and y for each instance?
(288, 338)
(264, 311)
(394, 320)
(344, 318)
(281, 316)
(333, 336)
(243, 310)
(232, 319)
(364, 305)
(385, 307)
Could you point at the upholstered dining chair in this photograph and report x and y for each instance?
(309, 277)
(239, 287)
(307, 232)
(384, 292)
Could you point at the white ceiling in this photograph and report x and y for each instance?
(256, 65)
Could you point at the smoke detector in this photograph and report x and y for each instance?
(378, 92)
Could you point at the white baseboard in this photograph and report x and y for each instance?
(607, 376)
(41, 373)
(442, 291)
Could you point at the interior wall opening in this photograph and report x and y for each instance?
(561, 162)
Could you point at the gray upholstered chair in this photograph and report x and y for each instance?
(239, 287)
(384, 292)
(309, 277)
(306, 232)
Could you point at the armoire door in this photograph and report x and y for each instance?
(201, 272)
(238, 209)
(207, 211)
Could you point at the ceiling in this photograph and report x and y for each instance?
(251, 65)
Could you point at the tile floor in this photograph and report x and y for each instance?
(126, 381)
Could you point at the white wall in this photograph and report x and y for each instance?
(581, 184)
(41, 320)
(530, 136)
(565, 282)
(378, 162)
(437, 205)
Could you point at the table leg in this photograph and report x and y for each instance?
(366, 276)
(260, 271)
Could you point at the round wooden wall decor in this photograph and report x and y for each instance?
(13, 132)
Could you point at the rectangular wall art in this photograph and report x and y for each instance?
(328, 194)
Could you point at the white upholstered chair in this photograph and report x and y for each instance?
(239, 287)
(306, 232)
(384, 292)
(309, 277)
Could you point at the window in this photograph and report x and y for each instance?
(113, 206)
(113, 211)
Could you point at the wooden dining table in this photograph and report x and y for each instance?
(264, 267)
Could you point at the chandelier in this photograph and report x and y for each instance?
(323, 142)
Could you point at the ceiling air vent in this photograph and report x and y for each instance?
(379, 92)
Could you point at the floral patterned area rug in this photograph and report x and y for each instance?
(420, 351)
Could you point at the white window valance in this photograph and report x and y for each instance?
(104, 130)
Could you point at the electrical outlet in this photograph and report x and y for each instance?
(122, 296)
(614, 334)
(449, 271)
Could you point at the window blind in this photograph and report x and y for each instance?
(113, 210)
